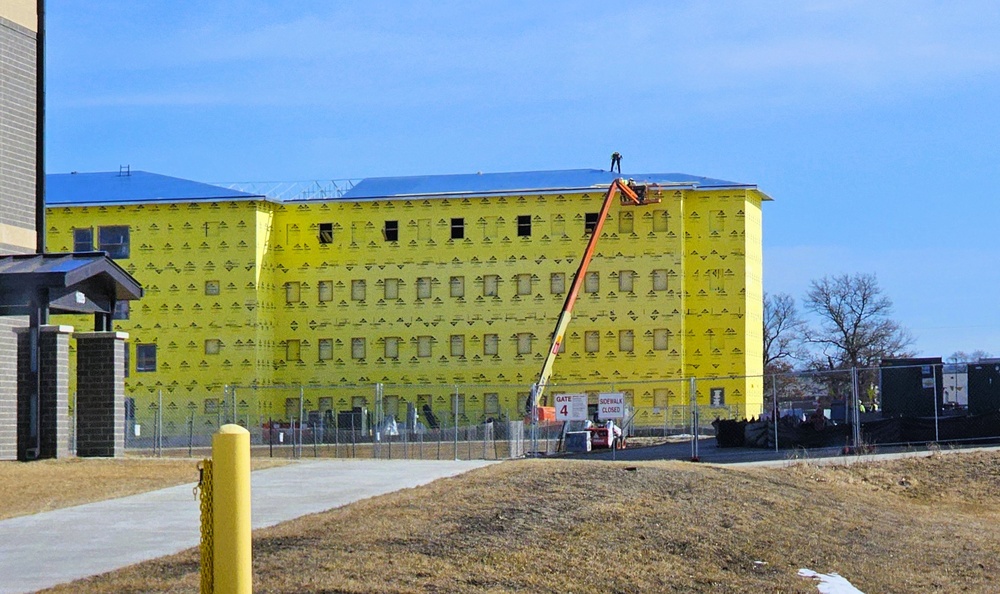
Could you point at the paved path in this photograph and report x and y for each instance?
(55, 547)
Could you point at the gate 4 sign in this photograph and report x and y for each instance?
(611, 405)
(571, 407)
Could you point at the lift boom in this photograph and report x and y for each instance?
(632, 195)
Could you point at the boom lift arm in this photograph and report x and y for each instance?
(631, 195)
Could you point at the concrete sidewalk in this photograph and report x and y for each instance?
(55, 547)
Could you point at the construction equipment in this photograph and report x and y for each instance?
(609, 436)
(632, 194)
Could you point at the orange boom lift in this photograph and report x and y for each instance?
(632, 194)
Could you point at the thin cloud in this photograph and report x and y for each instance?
(720, 56)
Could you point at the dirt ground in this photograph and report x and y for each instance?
(914, 525)
(32, 487)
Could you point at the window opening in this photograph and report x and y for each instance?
(524, 225)
(114, 241)
(391, 231)
(83, 240)
(326, 232)
(357, 348)
(357, 290)
(325, 289)
(325, 349)
(491, 344)
(391, 288)
(558, 283)
(424, 287)
(145, 357)
(293, 351)
(457, 286)
(490, 283)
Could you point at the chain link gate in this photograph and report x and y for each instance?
(206, 545)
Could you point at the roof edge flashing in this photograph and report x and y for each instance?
(141, 201)
(690, 186)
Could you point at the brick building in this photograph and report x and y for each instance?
(18, 158)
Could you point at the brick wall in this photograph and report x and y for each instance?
(17, 131)
(100, 394)
(17, 125)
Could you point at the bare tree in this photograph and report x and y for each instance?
(973, 357)
(856, 329)
(784, 332)
(784, 335)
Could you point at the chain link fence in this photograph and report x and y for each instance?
(323, 421)
(457, 421)
(845, 410)
(862, 410)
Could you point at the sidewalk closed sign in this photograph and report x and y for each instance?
(611, 405)
(571, 407)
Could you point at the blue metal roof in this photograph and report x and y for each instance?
(84, 189)
(104, 188)
(532, 181)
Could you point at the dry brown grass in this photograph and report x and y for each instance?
(915, 525)
(33, 487)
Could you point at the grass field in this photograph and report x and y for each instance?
(32, 487)
(914, 525)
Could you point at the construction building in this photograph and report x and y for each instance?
(443, 289)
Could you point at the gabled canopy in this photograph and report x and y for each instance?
(82, 282)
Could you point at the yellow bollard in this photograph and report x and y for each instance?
(232, 561)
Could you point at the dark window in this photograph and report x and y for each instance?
(326, 232)
(145, 357)
(458, 228)
(524, 225)
(114, 241)
(83, 240)
(590, 223)
(121, 311)
(391, 231)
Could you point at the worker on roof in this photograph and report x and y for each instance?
(616, 160)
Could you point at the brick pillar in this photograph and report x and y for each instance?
(8, 386)
(53, 401)
(100, 394)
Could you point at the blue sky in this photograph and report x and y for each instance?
(874, 125)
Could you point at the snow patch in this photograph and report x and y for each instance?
(830, 583)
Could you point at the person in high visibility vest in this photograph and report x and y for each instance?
(616, 160)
